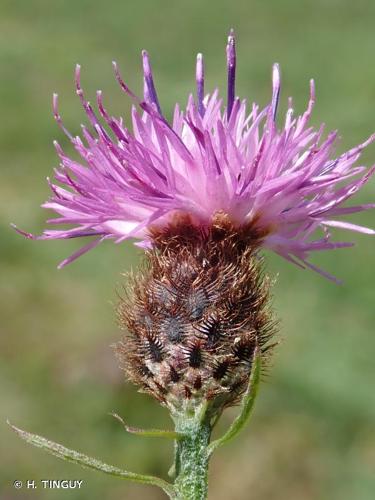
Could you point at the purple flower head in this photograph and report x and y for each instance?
(209, 159)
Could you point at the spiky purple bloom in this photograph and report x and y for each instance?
(283, 182)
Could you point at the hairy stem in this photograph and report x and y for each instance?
(191, 460)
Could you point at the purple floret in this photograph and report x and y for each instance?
(210, 159)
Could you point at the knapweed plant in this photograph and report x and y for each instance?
(202, 195)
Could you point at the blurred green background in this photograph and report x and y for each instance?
(313, 434)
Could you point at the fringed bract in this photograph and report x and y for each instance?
(195, 314)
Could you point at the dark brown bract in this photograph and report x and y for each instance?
(195, 314)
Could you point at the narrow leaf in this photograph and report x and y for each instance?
(148, 432)
(79, 458)
(247, 405)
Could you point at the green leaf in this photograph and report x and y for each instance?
(247, 405)
(79, 458)
(148, 432)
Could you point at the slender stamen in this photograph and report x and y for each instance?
(275, 89)
(56, 114)
(150, 94)
(231, 68)
(200, 84)
(122, 84)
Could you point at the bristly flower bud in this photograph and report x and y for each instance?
(195, 314)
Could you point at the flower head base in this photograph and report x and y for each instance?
(284, 182)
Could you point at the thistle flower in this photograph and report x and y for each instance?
(281, 183)
(202, 195)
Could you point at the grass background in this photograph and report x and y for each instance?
(312, 435)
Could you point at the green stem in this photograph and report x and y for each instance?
(191, 460)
